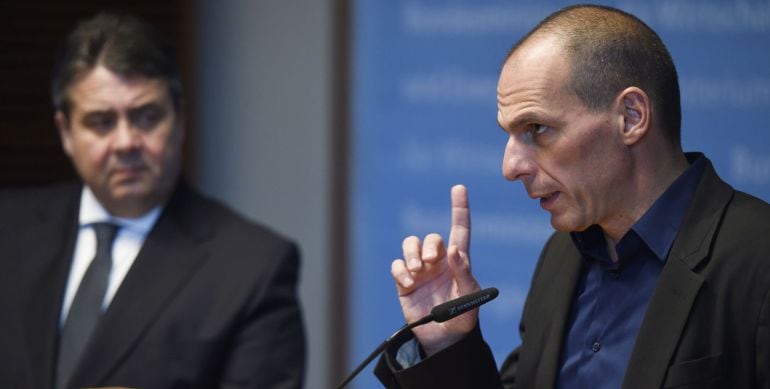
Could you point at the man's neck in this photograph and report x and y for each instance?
(651, 179)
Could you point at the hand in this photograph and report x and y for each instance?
(430, 274)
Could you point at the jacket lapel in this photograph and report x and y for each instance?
(169, 256)
(48, 250)
(678, 285)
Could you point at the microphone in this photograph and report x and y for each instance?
(450, 309)
(440, 313)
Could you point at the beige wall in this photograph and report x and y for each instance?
(263, 115)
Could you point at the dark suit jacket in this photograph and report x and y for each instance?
(707, 324)
(210, 300)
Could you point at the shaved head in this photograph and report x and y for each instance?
(609, 50)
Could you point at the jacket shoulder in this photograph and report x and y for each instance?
(749, 211)
(228, 233)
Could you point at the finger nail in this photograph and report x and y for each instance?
(414, 263)
(429, 253)
(407, 282)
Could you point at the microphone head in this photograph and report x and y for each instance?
(453, 308)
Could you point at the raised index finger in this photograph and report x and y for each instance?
(460, 232)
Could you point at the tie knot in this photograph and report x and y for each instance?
(105, 234)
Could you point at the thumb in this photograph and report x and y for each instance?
(460, 265)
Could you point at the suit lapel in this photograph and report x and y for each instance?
(169, 256)
(678, 285)
(48, 250)
(663, 323)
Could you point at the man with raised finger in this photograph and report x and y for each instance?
(659, 272)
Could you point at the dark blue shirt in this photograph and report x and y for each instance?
(611, 298)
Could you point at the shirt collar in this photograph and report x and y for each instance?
(658, 227)
(91, 211)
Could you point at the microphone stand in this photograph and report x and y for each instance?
(439, 313)
(382, 346)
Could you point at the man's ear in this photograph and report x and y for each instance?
(65, 132)
(634, 108)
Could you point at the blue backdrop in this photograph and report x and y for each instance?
(423, 118)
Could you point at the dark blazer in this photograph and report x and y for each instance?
(707, 324)
(209, 302)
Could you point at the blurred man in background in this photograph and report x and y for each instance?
(132, 278)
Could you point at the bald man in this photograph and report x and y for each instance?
(658, 274)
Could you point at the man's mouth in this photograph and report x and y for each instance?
(128, 171)
(547, 201)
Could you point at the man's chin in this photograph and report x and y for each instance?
(130, 189)
(131, 203)
(135, 193)
(562, 224)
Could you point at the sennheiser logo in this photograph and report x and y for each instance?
(470, 304)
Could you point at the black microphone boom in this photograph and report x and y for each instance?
(450, 309)
(440, 313)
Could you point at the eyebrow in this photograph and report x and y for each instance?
(149, 104)
(98, 112)
(520, 121)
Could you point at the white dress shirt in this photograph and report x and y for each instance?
(125, 247)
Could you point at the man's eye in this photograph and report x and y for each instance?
(538, 129)
(537, 132)
(147, 118)
(100, 122)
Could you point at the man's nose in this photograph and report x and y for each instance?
(517, 160)
(126, 137)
